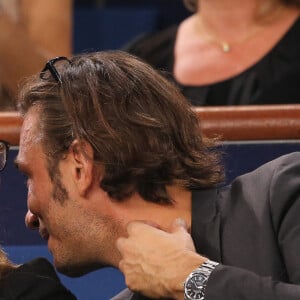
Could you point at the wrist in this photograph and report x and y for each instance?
(196, 282)
(190, 262)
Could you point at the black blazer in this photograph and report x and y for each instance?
(35, 280)
(252, 227)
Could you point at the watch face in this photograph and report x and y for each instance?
(194, 288)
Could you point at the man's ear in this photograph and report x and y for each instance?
(83, 158)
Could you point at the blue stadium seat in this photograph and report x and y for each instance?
(110, 28)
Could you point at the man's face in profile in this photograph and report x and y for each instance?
(50, 216)
(80, 232)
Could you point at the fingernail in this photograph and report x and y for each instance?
(180, 222)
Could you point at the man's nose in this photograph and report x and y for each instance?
(31, 220)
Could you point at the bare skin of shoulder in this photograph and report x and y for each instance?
(207, 51)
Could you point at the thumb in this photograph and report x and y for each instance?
(178, 225)
(180, 228)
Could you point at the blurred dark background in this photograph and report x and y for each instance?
(111, 24)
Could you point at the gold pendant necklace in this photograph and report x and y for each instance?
(225, 47)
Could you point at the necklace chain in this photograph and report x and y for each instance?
(226, 46)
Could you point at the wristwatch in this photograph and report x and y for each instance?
(195, 284)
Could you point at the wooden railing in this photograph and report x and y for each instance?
(264, 122)
(228, 123)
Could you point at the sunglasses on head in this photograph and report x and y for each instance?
(50, 66)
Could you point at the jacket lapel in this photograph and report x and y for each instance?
(205, 229)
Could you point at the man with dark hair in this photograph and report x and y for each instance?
(107, 141)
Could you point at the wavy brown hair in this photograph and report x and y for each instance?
(141, 128)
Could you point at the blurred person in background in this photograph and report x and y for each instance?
(230, 52)
(31, 31)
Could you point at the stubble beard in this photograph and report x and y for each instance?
(105, 231)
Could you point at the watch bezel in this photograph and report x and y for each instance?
(204, 270)
(200, 291)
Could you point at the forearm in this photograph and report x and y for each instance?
(229, 283)
(234, 283)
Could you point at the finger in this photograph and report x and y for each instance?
(178, 224)
(151, 223)
(121, 244)
(121, 266)
(179, 228)
(137, 226)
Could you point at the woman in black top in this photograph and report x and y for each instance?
(226, 54)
